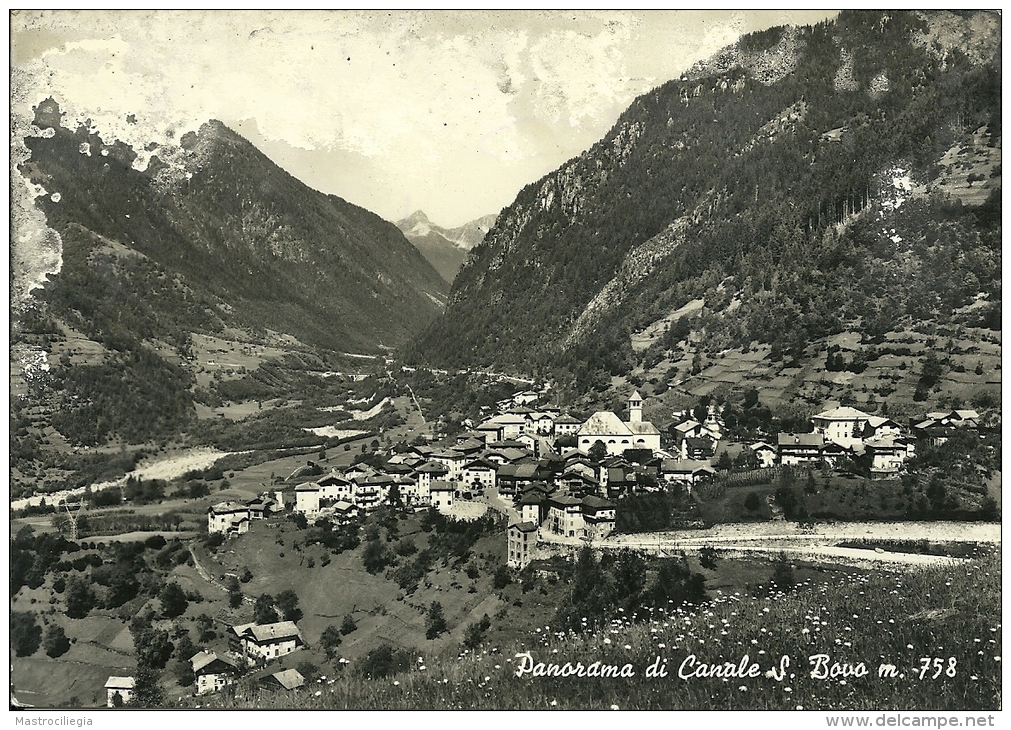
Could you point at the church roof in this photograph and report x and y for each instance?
(635, 396)
(604, 423)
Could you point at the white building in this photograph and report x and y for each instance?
(844, 425)
(618, 435)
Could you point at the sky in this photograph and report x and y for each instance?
(450, 112)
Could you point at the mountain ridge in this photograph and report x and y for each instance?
(445, 248)
(769, 148)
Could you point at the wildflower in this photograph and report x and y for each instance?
(787, 689)
(554, 703)
(628, 646)
(396, 683)
(607, 641)
(800, 707)
(614, 707)
(742, 688)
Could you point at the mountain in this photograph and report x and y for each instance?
(802, 183)
(209, 237)
(445, 248)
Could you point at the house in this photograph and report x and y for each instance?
(284, 681)
(765, 454)
(880, 427)
(598, 517)
(335, 486)
(834, 453)
(229, 518)
(801, 448)
(565, 516)
(213, 673)
(511, 478)
(372, 491)
(525, 397)
(425, 474)
(441, 494)
(260, 507)
(479, 474)
(888, 455)
(264, 642)
(617, 435)
(522, 536)
(844, 425)
(452, 460)
(344, 512)
(686, 472)
(540, 423)
(701, 448)
(533, 506)
(307, 498)
(118, 691)
(566, 425)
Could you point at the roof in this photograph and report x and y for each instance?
(604, 423)
(597, 502)
(635, 396)
(120, 683)
(643, 428)
(684, 466)
(271, 632)
(688, 425)
(524, 526)
(223, 507)
(844, 413)
(205, 658)
(343, 506)
(762, 446)
(533, 496)
(307, 487)
(432, 467)
(564, 500)
(878, 421)
(480, 464)
(566, 418)
(801, 439)
(288, 678)
(967, 414)
(439, 485)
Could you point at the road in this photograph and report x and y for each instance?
(814, 542)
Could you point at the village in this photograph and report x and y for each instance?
(557, 479)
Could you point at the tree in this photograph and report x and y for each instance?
(205, 627)
(348, 625)
(436, 621)
(782, 574)
(394, 499)
(263, 610)
(247, 575)
(708, 556)
(725, 463)
(234, 599)
(287, 602)
(330, 641)
(173, 600)
(147, 691)
(474, 634)
(79, 597)
(383, 661)
(26, 634)
(502, 578)
(752, 501)
(676, 585)
(375, 557)
(598, 451)
(56, 642)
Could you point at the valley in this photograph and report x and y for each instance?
(725, 379)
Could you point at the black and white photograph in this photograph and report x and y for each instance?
(442, 360)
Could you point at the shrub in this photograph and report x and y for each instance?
(383, 661)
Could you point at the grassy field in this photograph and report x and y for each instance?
(866, 623)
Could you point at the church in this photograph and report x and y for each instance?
(618, 435)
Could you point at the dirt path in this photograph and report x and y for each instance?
(167, 467)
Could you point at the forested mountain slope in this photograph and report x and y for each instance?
(804, 182)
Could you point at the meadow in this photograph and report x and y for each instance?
(923, 640)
